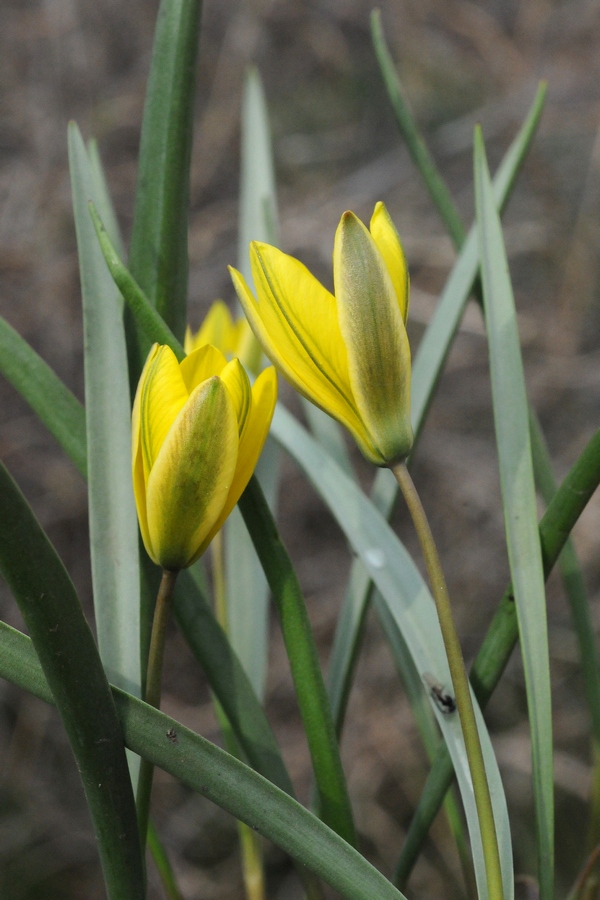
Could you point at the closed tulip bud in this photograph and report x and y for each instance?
(232, 338)
(198, 430)
(349, 353)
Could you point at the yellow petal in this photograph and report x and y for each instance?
(246, 347)
(375, 337)
(236, 381)
(215, 329)
(386, 237)
(162, 396)
(264, 398)
(201, 364)
(139, 481)
(279, 338)
(192, 475)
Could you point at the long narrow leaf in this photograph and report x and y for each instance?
(310, 690)
(246, 588)
(557, 523)
(415, 143)
(50, 399)
(72, 666)
(112, 515)
(210, 771)
(408, 598)
(158, 256)
(519, 502)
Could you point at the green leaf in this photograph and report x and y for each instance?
(258, 195)
(52, 402)
(519, 502)
(72, 666)
(310, 690)
(414, 142)
(226, 781)
(163, 864)
(112, 514)
(103, 199)
(150, 321)
(246, 588)
(158, 256)
(428, 364)
(408, 598)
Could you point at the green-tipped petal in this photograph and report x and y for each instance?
(292, 359)
(192, 475)
(162, 396)
(201, 364)
(264, 398)
(383, 232)
(375, 337)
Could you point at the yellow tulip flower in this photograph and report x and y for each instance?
(198, 430)
(233, 338)
(349, 353)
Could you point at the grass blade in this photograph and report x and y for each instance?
(210, 771)
(103, 198)
(112, 514)
(408, 598)
(247, 592)
(53, 403)
(414, 142)
(158, 256)
(519, 502)
(72, 666)
(259, 219)
(310, 690)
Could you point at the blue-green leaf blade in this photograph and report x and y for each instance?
(519, 501)
(112, 514)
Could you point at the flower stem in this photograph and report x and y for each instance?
(460, 682)
(153, 689)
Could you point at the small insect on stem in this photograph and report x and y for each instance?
(444, 701)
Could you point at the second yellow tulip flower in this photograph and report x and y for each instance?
(349, 353)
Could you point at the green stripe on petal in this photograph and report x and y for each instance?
(383, 232)
(192, 475)
(375, 337)
(293, 361)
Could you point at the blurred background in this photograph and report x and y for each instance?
(336, 147)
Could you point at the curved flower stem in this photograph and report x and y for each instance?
(153, 689)
(460, 682)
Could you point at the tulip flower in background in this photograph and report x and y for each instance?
(232, 338)
(198, 430)
(348, 353)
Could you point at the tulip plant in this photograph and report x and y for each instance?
(193, 464)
